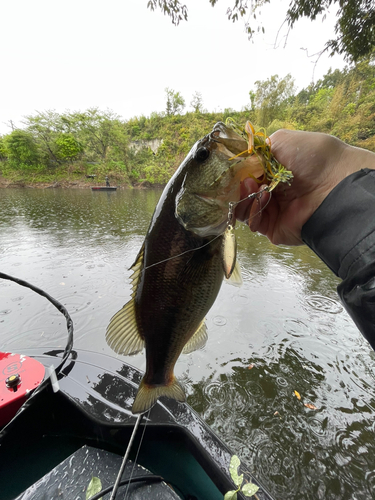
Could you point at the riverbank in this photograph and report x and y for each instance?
(69, 184)
(66, 184)
(6, 183)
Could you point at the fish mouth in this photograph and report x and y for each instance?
(221, 131)
(220, 128)
(228, 140)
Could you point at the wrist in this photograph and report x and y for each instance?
(349, 161)
(341, 231)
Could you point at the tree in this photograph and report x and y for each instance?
(272, 97)
(175, 102)
(171, 8)
(68, 148)
(330, 80)
(98, 132)
(197, 102)
(252, 96)
(3, 151)
(21, 148)
(45, 128)
(354, 29)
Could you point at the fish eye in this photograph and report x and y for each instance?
(202, 154)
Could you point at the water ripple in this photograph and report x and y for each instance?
(220, 320)
(324, 304)
(283, 331)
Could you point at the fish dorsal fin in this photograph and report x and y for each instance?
(229, 252)
(122, 332)
(137, 268)
(235, 278)
(198, 340)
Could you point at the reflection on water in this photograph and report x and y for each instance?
(284, 330)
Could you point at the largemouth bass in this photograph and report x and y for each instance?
(188, 250)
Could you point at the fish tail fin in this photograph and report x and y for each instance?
(147, 395)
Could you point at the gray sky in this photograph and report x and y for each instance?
(117, 54)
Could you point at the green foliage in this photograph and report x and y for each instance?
(3, 151)
(21, 148)
(197, 102)
(172, 8)
(354, 29)
(149, 149)
(94, 487)
(98, 132)
(175, 102)
(45, 128)
(272, 98)
(248, 489)
(68, 148)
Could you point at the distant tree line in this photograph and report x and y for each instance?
(94, 142)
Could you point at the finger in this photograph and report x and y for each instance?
(242, 211)
(268, 223)
(256, 212)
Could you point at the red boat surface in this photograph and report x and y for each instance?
(19, 376)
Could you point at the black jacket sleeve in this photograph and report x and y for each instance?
(342, 233)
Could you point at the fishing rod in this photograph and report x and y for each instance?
(125, 459)
(53, 378)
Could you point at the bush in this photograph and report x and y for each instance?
(21, 149)
(68, 148)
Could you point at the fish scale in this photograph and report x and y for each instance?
(180, 268)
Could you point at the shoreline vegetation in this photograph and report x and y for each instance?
(69, 183)
(79, 149)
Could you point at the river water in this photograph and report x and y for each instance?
(283, 331)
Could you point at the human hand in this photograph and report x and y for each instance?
(318, 163)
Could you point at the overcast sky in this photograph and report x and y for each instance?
(117, 54)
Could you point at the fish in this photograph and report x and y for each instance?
(188, 251)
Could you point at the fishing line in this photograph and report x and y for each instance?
(183, 253)
(125, 459)
(139, 447)
(261, 210)
(232, 204)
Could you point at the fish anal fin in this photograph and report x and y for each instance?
(198, 340)
(147, 395)
(235, 278)
(122, 332)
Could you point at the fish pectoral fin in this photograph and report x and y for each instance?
(229, 252)
(122, 332)
(198, 340)
(147, 395)
(236, 278)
